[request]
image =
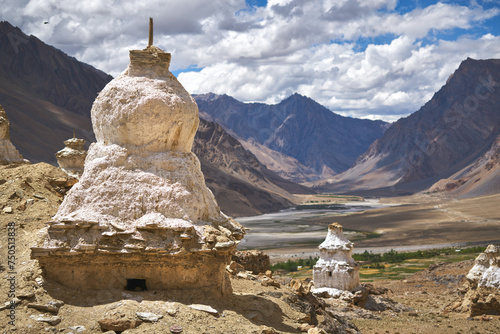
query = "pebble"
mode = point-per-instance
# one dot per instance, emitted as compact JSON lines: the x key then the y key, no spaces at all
{"x":148,"y":317}
{"x":204,"y":308}
{"x":266,"y":330}
{"x":27,"y":294}
{"x":39,"y":281}
{"x":175,"y":329}
{"x":171,"y":309}
{"x":8,"y":209}
{"x":118,"y":325}
{"x":7,"y":304}
{"x":78,"y":328}
{"x":50,"y":319}
{"x":52,"y":307}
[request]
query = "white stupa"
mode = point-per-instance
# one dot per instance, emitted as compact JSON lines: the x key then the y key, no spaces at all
{"x":71,"y":158}
{"x":335,"y":270}
{"x":141,"y":214}
{"x":486,"y":269}
{"x":8,"y":153}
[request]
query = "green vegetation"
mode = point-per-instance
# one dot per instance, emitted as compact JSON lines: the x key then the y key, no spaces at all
{"x":395,"y":257}
{"x":345,"y":197}
{"x":290,"y":266}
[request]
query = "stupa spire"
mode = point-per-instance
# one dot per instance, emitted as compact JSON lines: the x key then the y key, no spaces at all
{"x":150,"y":41}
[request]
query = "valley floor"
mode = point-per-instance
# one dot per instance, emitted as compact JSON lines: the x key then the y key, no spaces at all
{"x":415,"y":223}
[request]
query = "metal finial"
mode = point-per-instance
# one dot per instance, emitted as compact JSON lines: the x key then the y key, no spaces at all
{"x":150,"y":42}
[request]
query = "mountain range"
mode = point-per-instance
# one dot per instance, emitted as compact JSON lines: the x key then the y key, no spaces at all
{"x":454,"y":137}
{"x":297,"y":138}
{"x":253,"y":154}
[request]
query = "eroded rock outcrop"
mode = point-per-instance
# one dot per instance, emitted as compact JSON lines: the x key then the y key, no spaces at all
{"x":141,"y":215}
{"x":8,"y":153}
{"x":72,"y":158}
{"x":336,"y":269}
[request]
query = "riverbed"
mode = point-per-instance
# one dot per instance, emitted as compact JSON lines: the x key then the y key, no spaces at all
{"x":298,"y":228}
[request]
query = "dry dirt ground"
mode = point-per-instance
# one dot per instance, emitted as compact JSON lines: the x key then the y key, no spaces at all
{"x":435,"y":220}
{"x":33,"y":195}
{"x":428,"y":292}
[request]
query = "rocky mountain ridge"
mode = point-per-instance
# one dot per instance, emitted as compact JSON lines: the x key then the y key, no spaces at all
{"x":450,"y":132}
{"x":298,"y":138}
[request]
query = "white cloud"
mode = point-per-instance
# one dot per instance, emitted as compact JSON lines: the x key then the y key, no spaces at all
{"x":267,"y":53}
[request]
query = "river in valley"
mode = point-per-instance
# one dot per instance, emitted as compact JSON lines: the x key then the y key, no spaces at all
{"x":297,"y":228}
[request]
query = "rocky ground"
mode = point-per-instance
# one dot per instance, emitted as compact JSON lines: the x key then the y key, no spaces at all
{"x":430,"y":293}
{"x":31,"y":194}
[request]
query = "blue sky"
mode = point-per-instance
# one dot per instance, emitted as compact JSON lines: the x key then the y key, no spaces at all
{"x":377,"y":59}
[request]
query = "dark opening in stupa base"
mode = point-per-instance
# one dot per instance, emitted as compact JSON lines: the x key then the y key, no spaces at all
{"x":135,"y":284}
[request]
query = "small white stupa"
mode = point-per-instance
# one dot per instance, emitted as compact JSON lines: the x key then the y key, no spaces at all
{"x":141,"y":216}
{"x":8,"y":153}
{"x":486,"y":270}
{"x":336,"y":269}
{"x":72,"y":158}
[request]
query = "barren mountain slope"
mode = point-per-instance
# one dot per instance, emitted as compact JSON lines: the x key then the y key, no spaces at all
{"x":482,"y":177}
{"x":46,"y":94}
{"x":451,"y":131}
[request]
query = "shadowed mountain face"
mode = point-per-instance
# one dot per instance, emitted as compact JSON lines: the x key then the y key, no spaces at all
{"x":297,"y":138}
{"x":47,"y":95}
{"x":242,"y":185}
{"x":451,"y":131}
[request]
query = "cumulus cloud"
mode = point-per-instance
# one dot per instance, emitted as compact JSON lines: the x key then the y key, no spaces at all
{"x":366,"y":59}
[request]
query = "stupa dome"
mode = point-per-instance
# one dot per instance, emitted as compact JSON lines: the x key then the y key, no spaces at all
{"x":146,"y":108}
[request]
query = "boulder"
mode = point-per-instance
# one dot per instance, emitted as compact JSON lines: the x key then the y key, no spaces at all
{"x":118,"y":325}
{"x":253,"y":260}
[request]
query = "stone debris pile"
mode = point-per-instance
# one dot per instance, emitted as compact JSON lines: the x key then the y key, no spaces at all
{"x":253,"y":260}
{"x":141,"y":216}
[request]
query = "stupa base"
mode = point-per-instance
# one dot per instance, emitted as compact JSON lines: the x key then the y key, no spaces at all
{"x":191,"y":270}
